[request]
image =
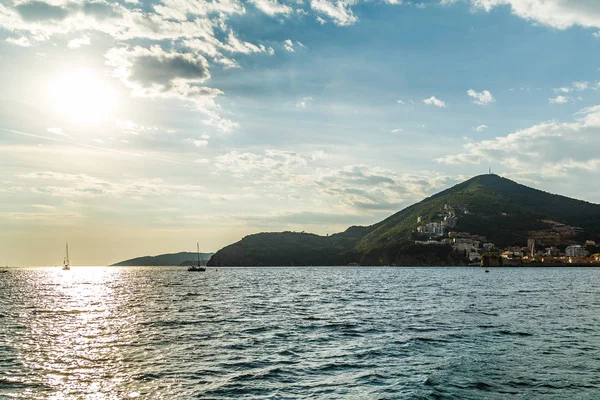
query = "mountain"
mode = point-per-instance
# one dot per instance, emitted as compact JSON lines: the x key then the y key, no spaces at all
{"x":163,"y":260}
{"x":505,"y":212}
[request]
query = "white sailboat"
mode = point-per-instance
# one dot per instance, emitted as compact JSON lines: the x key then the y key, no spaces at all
{"x":66,"y":263}
{"x":199,"y":267}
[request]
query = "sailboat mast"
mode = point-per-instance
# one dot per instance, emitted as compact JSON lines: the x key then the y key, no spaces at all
{"x":67,"y":248}
{"x":198,"y":250}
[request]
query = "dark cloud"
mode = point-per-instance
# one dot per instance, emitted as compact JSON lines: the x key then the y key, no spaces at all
{"x":358,"y":177}
{"x":100,"y":10}
{"x":41,"y":11}
{"x":150,"y":69}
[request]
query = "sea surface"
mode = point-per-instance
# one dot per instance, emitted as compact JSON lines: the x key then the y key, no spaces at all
{"x":285,"y":333}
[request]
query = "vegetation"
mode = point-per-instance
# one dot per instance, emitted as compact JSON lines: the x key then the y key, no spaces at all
{"x":502,"y":210}
{"x":163,"y":260}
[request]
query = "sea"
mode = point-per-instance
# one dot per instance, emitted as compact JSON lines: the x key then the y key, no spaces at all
{"x":300,"y":333}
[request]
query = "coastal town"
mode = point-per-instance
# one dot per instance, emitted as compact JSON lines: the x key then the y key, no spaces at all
{"x":441,"y":230}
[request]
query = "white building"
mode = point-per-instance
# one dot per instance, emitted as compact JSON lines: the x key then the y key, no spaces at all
{"x":576,"y":250}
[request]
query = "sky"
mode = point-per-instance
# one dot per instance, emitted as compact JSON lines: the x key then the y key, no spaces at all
{"x":137,"y":127}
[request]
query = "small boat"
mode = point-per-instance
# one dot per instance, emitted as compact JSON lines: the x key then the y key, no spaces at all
{"x":66,"y":264}
{"x":199,"y":267}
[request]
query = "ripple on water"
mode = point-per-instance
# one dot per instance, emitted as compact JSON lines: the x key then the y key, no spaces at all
{"x":385,"y":333}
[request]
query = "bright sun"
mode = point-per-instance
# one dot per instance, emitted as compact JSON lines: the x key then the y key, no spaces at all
{"x":81,"y":97}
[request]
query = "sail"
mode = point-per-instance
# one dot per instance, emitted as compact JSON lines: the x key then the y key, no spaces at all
{"x":67,"y":263}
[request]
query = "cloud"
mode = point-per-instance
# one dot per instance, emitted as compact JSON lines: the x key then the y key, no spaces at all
{"x":235,"y":45}
{"x":56,"y":131}
{"x":559,"y":100}
{"x":288,"y":46}
{"x":545,"y":149}
{"x":304,"y":102}
{"x":353,"y":188}
{"x":432,"y":101}
{"x":82,"y":41}
{"x":575,"y":87}
{"x":156,"y":73}
{"x":200,"y":143}
{"x":61,"y":218}
{"x":271,"y":7}
{"x":397,"y":130}
{"x":339,"y":12}
{"x":364,"y":187}
{"x":70,"y":186}
{"x":132,"y":128}
{"x":34,"y":11}
{"x":481,"y":98}
{"x":562,"y":90}
{"x":400,"y":102}
{"x":559,"y":14}
{"x":480,"y":128}
{"x":21,"y":41}
{"x":156,"y":68}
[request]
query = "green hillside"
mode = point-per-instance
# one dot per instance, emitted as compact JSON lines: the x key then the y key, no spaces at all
{"x":162,"y":260}
{"x":505,"y":212}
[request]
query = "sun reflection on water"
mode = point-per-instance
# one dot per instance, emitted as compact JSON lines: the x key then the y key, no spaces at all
{"x":75,"y":338}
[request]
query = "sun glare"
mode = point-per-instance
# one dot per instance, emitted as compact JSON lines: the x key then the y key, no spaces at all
{"x":81,"y":97}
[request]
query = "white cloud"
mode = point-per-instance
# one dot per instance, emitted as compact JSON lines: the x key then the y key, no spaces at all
{"x":433,"y":101}
{"x":581,"y":85}
{"x":596,"y":34}
{"x":21,"y":41}
{"x":559,"y":100}
{"x":480,"y":128}
{"x":545,"y":149}
{"x":482,"y":98}
{"x":397,"y":130}
{"x":339,"y":12}
{"x":56,"y":131}
{"x":305,"y":102}
{"x":288,"y":45}
{"x":271,"y":7}
{"x":562,"y":90}
{"x":132,"y":128}
{"x":236,"y":45}
{"x":200,"y":143}
{"x":354,"y":188}
{"x":81,"y":41}
{"x":400,"y":102}
{"x":559,"y":14}
{"x":576,"y":87}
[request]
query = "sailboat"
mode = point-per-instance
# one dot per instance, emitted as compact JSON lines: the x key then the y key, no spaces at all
{"x":66,"y":264}
{"x":199,"y":267}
